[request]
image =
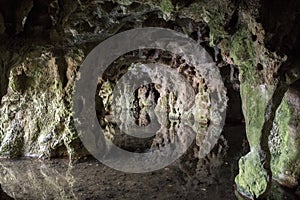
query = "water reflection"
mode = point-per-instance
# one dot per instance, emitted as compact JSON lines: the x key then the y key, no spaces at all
{"x":188,"y":178}
{"x":33,"y":179}
{"x":29,"y":179}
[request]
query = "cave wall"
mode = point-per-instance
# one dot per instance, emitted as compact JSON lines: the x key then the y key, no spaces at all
{"x":44,"y":42}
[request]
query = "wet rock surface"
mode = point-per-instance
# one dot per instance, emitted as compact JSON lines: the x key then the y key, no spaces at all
{"x":35,"y":111}
{"x":92,"y":180}
{"x":187,"y":178}
{"x":284,"y":140}
{"x":39,"y":71}
{"x":169,"y":112}
{"x":44,"y":42}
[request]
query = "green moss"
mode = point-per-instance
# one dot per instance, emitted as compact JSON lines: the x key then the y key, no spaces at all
{"x":285,"y":163}
{"x":243,"y":54}
{"x":166,"y":6}
{"x":254,"y":102}
{"x":216,"y":23}
{"x":217,"y":14}
{"x":252,"y":179}
{"x":241,"y":47}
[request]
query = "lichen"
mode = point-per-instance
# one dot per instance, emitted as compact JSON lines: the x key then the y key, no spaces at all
{"x":284,"y":143}
{"x":166,"y":6}
{"x":243,"y":54}
{"x":167,"y":9}
{"x":252,"y":179}
{"x":257,"y":69}
{"x":35,"y":112}
{"x":254,"y":113}
{"x":217,"y":14}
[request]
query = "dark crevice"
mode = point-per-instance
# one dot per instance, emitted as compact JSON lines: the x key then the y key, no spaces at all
{"x":38,"y":22}
{"x":231,"y":27}
{"x":4,"y":81}
{"x":259,"y":67}
{"x":3,"y":195}
{"x":296,"y":85}
{"x":234,"y":113}
{"x":181,"y":3}
{"x":282,"y":29}
{"x":62,"y":66}
{"x":254,"y":38}
{"x":21,"y":82}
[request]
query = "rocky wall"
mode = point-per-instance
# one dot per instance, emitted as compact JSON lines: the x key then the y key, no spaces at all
{"x":44,"y":42}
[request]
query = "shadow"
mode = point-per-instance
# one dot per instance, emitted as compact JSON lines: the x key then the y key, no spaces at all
{"x":3,"y":195}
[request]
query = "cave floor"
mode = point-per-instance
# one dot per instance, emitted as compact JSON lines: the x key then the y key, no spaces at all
{"x":92,"y":180}
{"x":89,"y":179}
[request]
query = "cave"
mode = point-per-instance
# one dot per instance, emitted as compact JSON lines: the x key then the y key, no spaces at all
{"x":140,"y":99}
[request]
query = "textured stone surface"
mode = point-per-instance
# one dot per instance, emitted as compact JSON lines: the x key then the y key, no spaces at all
{"x":37,"y":180}
{"x":177,"y":88}
{"x":285,"y":140}
{"x":264,"y":46}
{"x":253,"y":179}
{"x":262,"y":89}
{"x":35,"y":112}
{"x":29,"y":179}
{"x":37,"y":83}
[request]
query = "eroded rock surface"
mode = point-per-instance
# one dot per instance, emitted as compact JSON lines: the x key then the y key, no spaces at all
{"x":37,"y":82}
{"x":36,"y":111}
{"x":284,"y":140}
{"x":44,"y":42}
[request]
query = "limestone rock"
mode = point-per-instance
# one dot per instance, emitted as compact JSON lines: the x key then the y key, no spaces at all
{"x":37,"y":180}
{"x":36,"y":87}
{"x":35,"y":112}
{"x":284,"y":140}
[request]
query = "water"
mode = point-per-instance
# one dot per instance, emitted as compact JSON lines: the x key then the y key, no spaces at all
{"x":212,"y":178}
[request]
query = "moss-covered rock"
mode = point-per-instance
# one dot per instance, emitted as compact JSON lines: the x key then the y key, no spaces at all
{"x":217,"y":14}
{"x":258,"y":85}
{"x":252,"y":179}
{"x":285,"y":140}
{"x":167,"y":6}
{"x":255,"y":113}
{"x":260,"y":95}
{"x":36,"y":88}
{"x":35,"y":112}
